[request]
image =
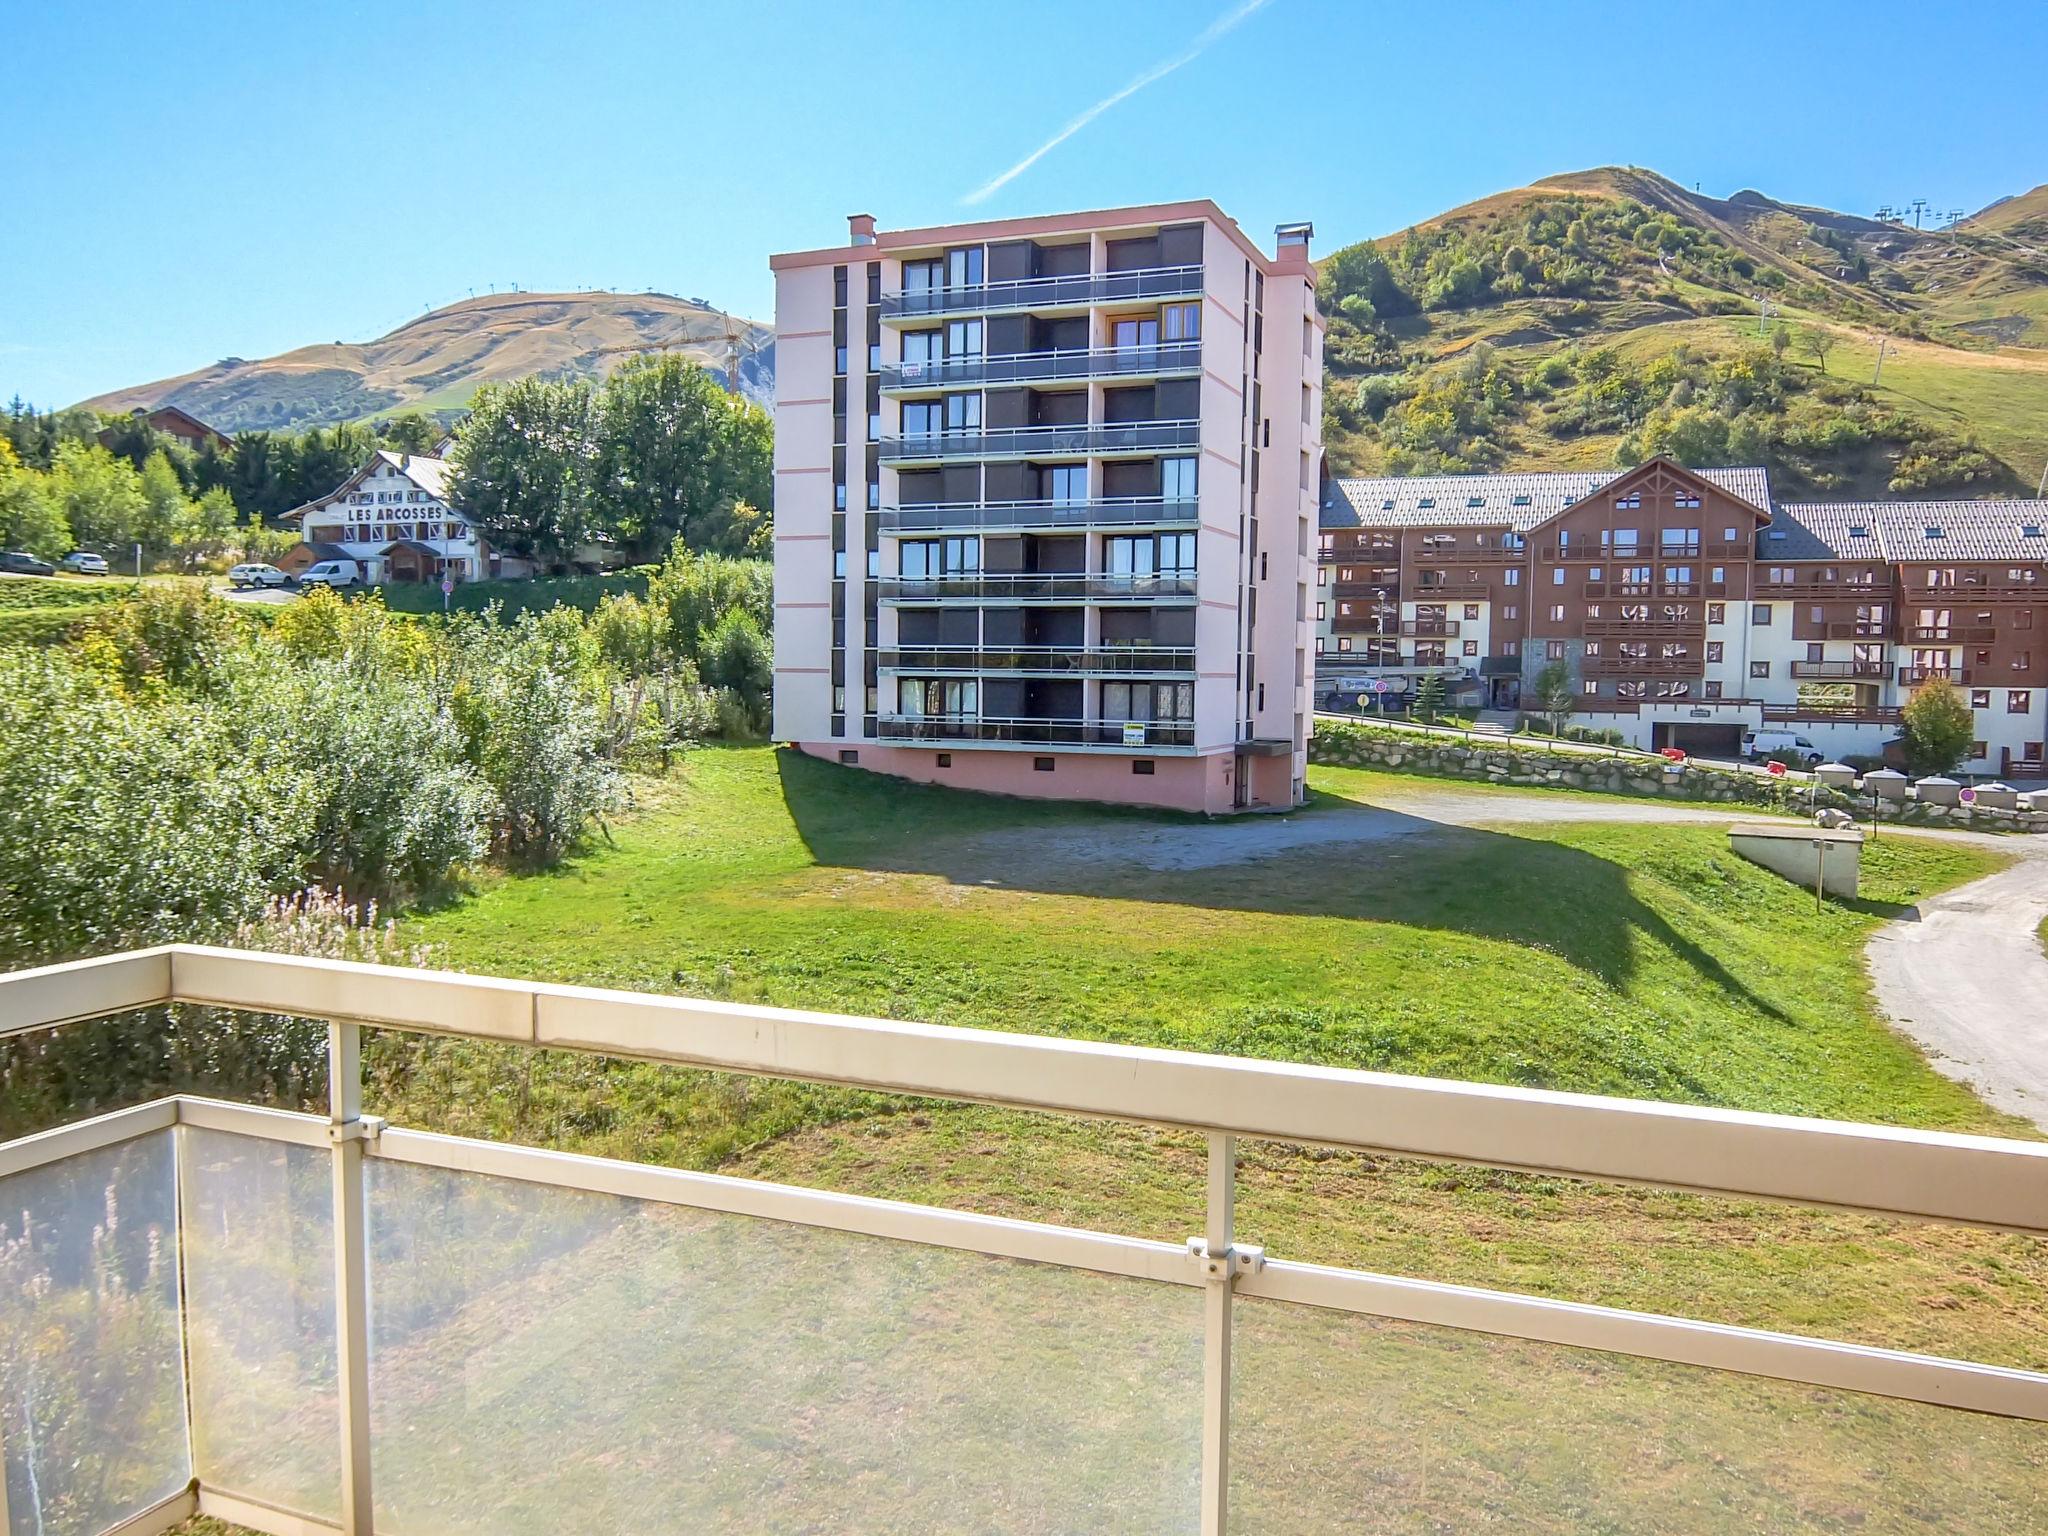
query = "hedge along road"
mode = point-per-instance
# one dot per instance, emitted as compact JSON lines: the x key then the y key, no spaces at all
{"x":1963,"y":974}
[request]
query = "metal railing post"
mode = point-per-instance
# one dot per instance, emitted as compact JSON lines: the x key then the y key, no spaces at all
{"x":347,"y":1130}
{"x":1222,"y":1262}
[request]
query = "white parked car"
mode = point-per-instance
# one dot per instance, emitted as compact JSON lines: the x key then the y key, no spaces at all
{"x":335,"y":574}
{"x":1758,"y":745}
{"x":257,"y":574}
{"x":79,"y":563}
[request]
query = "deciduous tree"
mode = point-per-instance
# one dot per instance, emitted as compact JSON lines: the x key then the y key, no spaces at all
{"x":1938,"y":727}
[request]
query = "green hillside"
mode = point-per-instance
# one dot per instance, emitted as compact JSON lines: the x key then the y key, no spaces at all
{"x":1591,"y":319}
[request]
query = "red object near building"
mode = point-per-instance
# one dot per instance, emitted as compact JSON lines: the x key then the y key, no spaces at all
{"x":1775,"y":768}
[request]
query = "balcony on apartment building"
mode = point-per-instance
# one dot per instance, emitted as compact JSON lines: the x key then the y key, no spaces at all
{"x":1072,"y":440}
{"x":1841,"y":671}
{"x":1641,"y":666}
{"x":1038,"y":731}
{"x":1618,"y":554}
{"x":1639,"y":591}
{"x":1000,"y":587}
{"x":1827,"y":713}
{"x":1913,"y":677}
{"x":1077,"y":364}
{"x":1441,"y":549}
{"x":1048,"y":294}
{"x":1038,"y":513}
{"x":1975,"y":585}
{"x":1951,"y":634}
{"x":314,"y":1323}
{"x":1040,"y":660}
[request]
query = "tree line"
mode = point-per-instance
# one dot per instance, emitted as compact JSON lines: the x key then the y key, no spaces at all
{"x":656,"y":453}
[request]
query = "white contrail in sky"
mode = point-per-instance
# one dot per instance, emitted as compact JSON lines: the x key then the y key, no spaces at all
{"x":1208,"y":36}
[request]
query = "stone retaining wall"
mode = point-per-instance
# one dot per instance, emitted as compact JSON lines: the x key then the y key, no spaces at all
{"x":1365,"y":746}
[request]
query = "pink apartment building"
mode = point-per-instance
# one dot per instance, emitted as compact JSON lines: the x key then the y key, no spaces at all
{"x":1045,"y":505}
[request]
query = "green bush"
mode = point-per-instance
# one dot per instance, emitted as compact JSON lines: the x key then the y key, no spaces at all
{"x":42,"y":626}
{"x":513,"y":598}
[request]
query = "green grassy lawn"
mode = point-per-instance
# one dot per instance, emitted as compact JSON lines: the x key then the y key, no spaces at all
{"x":1633,"y":959}
{"x":1638,"y":960}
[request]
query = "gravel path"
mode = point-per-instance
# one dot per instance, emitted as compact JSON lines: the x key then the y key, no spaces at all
{"x":1965,"y":976}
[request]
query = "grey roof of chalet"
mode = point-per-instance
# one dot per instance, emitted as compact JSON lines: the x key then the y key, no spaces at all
{"x":1519,"y":502}
{"x":1897,"y":531}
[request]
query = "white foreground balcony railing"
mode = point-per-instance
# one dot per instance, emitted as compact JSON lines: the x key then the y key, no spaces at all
{"x":306,"y":1324}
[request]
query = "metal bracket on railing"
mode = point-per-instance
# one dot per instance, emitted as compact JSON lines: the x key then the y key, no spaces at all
{"x":1239,"y":1259}
{"x":363,"y":1128}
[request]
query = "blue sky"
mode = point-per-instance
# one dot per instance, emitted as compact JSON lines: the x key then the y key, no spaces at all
{"x":186,"y":182}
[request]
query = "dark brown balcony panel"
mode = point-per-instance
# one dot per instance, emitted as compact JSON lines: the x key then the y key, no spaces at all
{"x":1913,"y":677}
{"x":1841,"y":671}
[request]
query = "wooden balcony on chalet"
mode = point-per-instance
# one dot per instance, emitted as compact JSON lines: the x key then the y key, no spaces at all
{"x":1591,"y":554}
{"x":1913,"y":677}
{"x":1644,"y":591}
{"x":1952,"y":634}
{"x":1643,"y":666}
{"x":1489,"y":552}
{"x":1841,"y":671}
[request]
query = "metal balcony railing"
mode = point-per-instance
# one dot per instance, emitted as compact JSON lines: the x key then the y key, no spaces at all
{"x":1036,"y":731}
{"x":1040,"y":660}
{"x":1072,"y":292}
{"x":1868,"y":671}
{"x":1036,"y":587}
{"x":1042,"y":442}
{"x":289,"y":1321}
{"x":1078,"y":364}
{"x":1101,"y":512}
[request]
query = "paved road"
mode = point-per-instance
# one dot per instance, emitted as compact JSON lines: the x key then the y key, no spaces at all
{"x":1967,"y":979}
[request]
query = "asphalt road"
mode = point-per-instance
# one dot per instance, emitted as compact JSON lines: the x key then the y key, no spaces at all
{"x":1966,"y":977}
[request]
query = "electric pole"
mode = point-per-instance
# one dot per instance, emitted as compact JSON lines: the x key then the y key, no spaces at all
{"x":1883,"y":345}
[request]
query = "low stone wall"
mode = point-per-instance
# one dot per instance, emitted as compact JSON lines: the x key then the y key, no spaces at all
{"x":1366,"y":746}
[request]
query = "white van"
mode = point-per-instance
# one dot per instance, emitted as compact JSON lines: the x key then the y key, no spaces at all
{"x":1758,"y":745}
{"x":333,"y":573}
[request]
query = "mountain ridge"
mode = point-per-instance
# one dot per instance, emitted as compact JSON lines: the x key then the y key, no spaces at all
{"x":436,"y":361}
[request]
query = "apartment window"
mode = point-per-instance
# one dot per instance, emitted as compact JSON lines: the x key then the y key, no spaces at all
{"x":933,"y":698}
{"x":1978,"y":751}
{"x":1712,"y":690}
{"x":1557,"y":576}
{"x":1041,"y":765}
{"x":1343,"y":642}
{"x":1065,"y":484}
{"x":1142,"y":766}
{"x":963,"y":267}
{"x":1592,"y":647}
{"x":963,"y":413}
{"x":1146,"y":553}
{"x":874,"y":564}
{"x":921,"y":347}
{"x":1713,"y":650}
{"x":1511,"y":647}
{"x":1717,"y":613}
{"x":963,"y":338}
{"x":1759,"y":669}
{"x":1557,"y":613}
{"x":874,"y":357}
{"x":1471,"y":647}
{"x":839,"y":565}
{"x":1471,"y":610}
{"x":2020,"y":662}
{"x":1589,"y":688}
{"x":874,"y":496}
{"x":1322,"y":575}
{"x":1760,"y":614}
{"x":1980,"y":698}
{"x":1177,"y":479}
{"x":1815,"y":651}
{"x":1511,"y":578}
{"x":874,"y":426}
{"x":838,"y":701}
{"x":2018,"y":701}
{"x":1510,"y":611}
{"x":920,"y":277}
{"x":922,"y":418}
{"x":839,"y":496}
{"x":1148,"y":701}
{"x":927,"y":559}
{"x":1319,"y":645}
{"x":839,"y":360}
{"x":1321,"y":611}
{"x":1180,"y":322}
{"x":1553,"y":650}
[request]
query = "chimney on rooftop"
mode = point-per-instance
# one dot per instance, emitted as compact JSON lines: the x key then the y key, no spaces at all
{"x":1285,"y":235}
{"x":860,"y":229}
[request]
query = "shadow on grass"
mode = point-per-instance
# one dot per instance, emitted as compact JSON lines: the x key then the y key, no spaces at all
{"x":1342,"y":859}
